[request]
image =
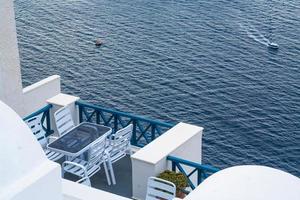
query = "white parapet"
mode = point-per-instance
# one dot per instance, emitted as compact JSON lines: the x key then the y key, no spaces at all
{"x":35,"y":95}
{"x":63,"y":100}
{"x":75,"y":191}
{"x":183,"y":140}
{"x":43,"y":182}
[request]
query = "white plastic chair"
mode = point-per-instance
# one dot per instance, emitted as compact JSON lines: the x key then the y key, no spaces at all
{"x":119,"y":143}
{"x":87,"y":168}
{"x":159,"y":189}
{"x":63,"y":120}
{"x":35,"y":125}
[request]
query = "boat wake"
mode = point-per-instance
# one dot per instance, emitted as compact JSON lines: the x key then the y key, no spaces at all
{"x":255,"y":34}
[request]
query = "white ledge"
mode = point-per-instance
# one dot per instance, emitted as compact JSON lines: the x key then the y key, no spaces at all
{"x":40,"y":83}
{"x":62,"y":99}
{"x":170,"y":141}
{"x":75,"y":191}
{"x":35,"y":95}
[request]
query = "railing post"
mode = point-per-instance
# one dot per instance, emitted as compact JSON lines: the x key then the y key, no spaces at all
{"x":115,"y":122}
{"x":80,"y":113}
{"x":48,"y":123}
{"x":133,"y":138}
{"x":199,"y":177}
{"x":152,"y":132}
{"x":97,"y":117}
{"x":173,"y":166}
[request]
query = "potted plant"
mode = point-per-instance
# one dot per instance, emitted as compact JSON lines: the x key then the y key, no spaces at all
{"x":178,"y":179}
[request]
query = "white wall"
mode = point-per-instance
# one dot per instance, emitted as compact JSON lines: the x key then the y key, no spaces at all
{"x":10,"y":73}
{"x":63,"y":100}
{"x":183,"y":140}
{"x":248,"y":182}
{"x":25,"y":171}
{"x":35,"y":95}
{"x":75,"y":191}
{"x":43,"y":182}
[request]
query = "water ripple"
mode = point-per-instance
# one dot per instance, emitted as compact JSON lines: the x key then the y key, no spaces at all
{"x":202,"y":62}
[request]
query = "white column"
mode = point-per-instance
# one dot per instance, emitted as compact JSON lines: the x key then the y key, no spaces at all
{"x":63,"y":100}
{"x":183,"y":140}
{"x":10,"y":72}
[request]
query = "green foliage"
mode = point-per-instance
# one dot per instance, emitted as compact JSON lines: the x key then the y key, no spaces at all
{"x":178,"y":179}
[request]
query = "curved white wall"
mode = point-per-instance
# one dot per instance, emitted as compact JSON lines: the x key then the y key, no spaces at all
{"x":248,"y":183}
{"x":20,"y":151}
{"x":25,"y":172}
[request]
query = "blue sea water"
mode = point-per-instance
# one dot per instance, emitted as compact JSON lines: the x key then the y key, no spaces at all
{"x":201,"y":62}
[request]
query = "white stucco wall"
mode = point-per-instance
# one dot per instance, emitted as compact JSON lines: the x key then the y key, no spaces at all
{"x":183,"y":140}
{"x":63,"y":100}
{"x":42,"y":182}
{"x":35,"y":95}
{"x":75,"y":191}
{"x":248,"y":182}
{"x":25,"y":171}
{"x":10,"y":72}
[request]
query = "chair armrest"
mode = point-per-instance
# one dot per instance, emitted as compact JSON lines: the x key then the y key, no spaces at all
{"x":84,"y":181}
{"x":75,"y":164}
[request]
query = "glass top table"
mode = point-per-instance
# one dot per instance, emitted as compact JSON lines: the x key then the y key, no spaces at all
{"x":78,"y":140}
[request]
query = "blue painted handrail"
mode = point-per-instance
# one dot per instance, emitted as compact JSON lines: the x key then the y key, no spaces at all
{"x":144,"y":130}
{"x":45,"y":112}
{"x":203,"y":171}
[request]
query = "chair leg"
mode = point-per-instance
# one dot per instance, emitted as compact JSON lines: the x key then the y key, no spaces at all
{"x":88,"y":182}
{"x":106,"y":173}
{"x":111,"y":172}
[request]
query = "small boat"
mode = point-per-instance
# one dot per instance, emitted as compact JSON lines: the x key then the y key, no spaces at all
{"x":273,"y":45}
{"x":98,"y":42}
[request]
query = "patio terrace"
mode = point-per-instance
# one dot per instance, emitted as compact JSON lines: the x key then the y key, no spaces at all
{"x":123,"y":173}
{"x":133,"y":171}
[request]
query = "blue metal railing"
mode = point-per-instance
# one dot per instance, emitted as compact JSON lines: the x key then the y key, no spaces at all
{"x":45,"y":120}
{"x":144,"y":130}
{"x":203,"y":171}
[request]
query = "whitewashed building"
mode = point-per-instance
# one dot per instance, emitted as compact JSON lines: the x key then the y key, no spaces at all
{"x":27,"y":174}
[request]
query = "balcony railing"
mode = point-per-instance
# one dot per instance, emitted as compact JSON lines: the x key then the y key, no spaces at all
{"x":45,"y":120}
{"x":203,"y":171}
{"x":144,"y":130}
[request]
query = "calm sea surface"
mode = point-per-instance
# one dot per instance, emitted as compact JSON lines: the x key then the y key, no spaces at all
{"x":201,"y":62}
